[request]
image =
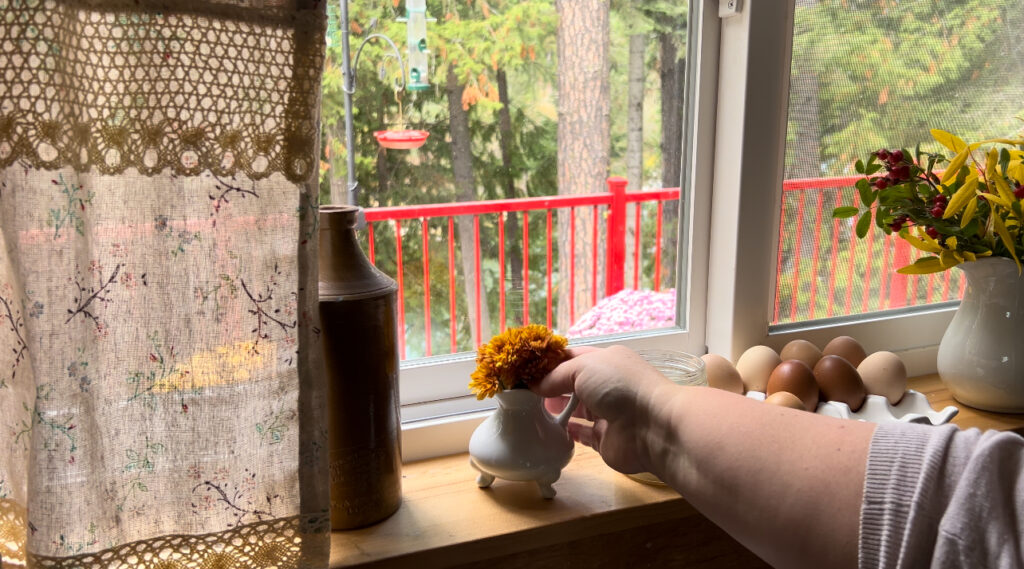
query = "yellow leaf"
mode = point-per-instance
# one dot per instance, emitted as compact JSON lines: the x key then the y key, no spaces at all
{"x":972,"y":206}
{"x":1004,"y":189}
{"x":951,"y":242}
{"x":923,"y":267}
{"x":949,"y":140}
{"x":928,"y":245}
{"x":970,"y":256}
{"x":955,"y":165}
{"x":962,"y":196}
{"x":991,"y":162}
{"x":996,"y":200}
{"x":1001,"y":141}
{"x":948,"y":259}
{"x":1004,"y":236}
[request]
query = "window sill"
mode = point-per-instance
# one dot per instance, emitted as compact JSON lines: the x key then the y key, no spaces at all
{"x":446,"y":521}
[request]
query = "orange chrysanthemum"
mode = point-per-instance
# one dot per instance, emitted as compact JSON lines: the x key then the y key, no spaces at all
{"x":516,"y":357}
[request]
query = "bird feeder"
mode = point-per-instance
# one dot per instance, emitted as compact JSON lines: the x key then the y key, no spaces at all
{"x":401,"y":139}
{"x":416,"y":40}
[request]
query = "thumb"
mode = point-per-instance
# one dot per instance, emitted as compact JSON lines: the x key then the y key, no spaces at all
{"x":562,"y":379}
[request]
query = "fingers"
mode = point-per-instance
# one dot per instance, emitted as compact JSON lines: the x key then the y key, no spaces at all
{"x":590,"y":435}
{"x":580,"y":350}
{"x":562,"y":379}
{"x":556,"y":404}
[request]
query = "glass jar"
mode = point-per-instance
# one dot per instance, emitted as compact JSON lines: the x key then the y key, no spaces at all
{"x":683,"y":369}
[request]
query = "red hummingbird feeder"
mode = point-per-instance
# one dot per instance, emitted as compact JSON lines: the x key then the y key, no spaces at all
{"x":401,"y":139}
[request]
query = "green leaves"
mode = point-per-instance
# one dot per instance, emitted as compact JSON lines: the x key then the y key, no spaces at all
{"x":863,"y":224}
{"x":844,"y":212}
{"x":867,"y":195}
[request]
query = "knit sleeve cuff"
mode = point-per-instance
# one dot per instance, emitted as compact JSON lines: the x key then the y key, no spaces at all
{"x":898,"y":470}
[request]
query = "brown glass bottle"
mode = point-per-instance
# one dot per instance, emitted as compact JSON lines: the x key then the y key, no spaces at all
{"x":360,"y":344}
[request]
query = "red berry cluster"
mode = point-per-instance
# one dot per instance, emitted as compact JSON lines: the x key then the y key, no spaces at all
{"x":897,"y":169}
{"x":1018,"y":191}
{"x":897,"y":223}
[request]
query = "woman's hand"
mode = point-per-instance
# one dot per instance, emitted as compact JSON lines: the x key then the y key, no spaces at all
{"x":617,"y":392}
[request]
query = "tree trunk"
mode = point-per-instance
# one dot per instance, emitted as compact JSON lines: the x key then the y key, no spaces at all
{"x":803,"y":160}
{"x":673,"y":73}
{"x":462,"y":165}
{"x":583,"y":137}
{"x":635,"y":134}
{"x":805,"y":155}
{"x":337,"y":176}
{"x":513,"y":250}
{"x":635,"y":112}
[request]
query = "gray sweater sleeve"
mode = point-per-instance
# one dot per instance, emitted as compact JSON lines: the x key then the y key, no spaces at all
{"x":942,"y":497}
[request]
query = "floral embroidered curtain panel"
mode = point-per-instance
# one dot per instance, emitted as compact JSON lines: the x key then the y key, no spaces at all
{"x":159,"y":374}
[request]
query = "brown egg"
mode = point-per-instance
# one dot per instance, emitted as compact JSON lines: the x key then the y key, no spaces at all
{"x":795,"y":377}
{"x":847,"y":348}
{"x":884,"y":374}
{"x":839,"y":381}
{"x":722,"y":374}
{"x":785,"y":399}
{"x":755,"y":365}
{"x":801,"y":350}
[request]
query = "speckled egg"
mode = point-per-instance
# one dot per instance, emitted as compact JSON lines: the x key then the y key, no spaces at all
{"x":884,"y":374}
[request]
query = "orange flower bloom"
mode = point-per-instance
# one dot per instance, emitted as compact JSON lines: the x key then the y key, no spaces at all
{"x":516,"y":357}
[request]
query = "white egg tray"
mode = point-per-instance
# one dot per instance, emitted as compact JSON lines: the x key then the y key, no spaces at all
{"x":913,"y":407}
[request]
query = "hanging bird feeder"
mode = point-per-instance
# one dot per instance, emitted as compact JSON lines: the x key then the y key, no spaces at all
{"x":415,"y":77}
{"x":401,"y":139}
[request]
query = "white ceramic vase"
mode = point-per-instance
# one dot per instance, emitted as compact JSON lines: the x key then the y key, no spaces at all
{"x":521,"y":441}
{"x":981,"y":356}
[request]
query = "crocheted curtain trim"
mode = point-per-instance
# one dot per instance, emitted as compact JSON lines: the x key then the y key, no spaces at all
{"x":180,"y":86}
{"x":286,"y":543}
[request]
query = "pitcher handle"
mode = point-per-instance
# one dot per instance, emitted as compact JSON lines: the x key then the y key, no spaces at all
{"x":563,"y":417}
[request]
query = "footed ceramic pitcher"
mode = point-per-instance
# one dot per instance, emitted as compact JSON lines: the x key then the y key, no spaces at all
{"x":521,"y":441}
{"x":981,"y":356}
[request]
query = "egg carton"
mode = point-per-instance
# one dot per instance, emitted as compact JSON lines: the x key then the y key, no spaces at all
{"x":913,"y":407}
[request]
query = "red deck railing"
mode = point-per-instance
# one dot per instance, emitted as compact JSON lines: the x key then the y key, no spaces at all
{"x":823,"y":270}
{"x":613,"y":252}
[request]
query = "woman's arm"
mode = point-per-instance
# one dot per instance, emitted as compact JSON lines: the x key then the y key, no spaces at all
{"x":787,"y":484}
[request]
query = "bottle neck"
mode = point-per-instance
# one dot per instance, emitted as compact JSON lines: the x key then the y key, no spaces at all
{"x":344,"y":269}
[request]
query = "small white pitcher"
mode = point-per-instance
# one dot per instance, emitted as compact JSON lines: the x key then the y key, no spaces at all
{"x":521,"y":441}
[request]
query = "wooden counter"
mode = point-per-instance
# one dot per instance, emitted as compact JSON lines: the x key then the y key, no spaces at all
{"x":600,"y":518}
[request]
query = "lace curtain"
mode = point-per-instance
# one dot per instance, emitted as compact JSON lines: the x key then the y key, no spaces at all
{"x":159,"y":371}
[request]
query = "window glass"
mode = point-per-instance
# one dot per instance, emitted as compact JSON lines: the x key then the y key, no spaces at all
{"x":509,"y":211}
{"x":879,"y":74}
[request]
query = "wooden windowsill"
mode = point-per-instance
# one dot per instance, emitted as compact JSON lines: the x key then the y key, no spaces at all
{"x":445,"y":520}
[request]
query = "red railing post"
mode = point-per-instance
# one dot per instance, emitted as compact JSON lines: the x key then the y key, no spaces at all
{"x":898,"y":282}
{"x":616,"y":254}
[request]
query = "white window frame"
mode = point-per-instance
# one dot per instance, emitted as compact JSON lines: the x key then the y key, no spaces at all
{"x":753,"y":83}
{"x":439,"y":414}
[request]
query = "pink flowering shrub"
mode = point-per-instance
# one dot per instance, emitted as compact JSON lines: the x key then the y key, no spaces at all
{"x":627,"y":311}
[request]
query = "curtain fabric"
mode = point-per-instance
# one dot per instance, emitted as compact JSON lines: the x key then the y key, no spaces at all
{"x":160,"y":385}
